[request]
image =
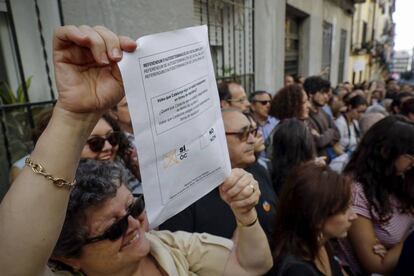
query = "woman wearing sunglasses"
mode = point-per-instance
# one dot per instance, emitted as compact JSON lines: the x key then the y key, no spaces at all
{"x":103,"y":143}
{"x":108,"y":142}
{"x":383,"y":198}
{"x":108,"y":223}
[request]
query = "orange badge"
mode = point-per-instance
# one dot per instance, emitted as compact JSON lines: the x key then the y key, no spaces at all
{"x":266,"y":206}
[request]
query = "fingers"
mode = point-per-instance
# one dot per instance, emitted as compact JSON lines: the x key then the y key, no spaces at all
{"x":97,"y":44}
{"x":246,"y":204}
{"x":242,"y":186}
{"x":320,"y":161}
{"x":68,"y":35}
{"x":242,"y":190}
{"x":105,"y":46}
{"x":127,"y":44}
{"x":111,"y":43}
{"x":380,"y":250}
{"x":230,"y":181}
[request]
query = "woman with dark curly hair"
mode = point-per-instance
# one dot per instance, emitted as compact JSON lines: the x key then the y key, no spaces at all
{"x":126,"y":150}
{"x":383,"y":197}
{"x":314,"y":207}
{"x":108,"y":142}
{"x":290,"y":101}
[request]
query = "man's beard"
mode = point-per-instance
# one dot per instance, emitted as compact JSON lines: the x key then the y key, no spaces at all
{"x":317,"y":104}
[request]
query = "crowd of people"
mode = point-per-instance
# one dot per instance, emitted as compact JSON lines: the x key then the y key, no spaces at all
{"x":322,"y":180}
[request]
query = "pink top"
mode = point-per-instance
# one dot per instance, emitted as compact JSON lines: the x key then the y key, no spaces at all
{"x":388,"y":234}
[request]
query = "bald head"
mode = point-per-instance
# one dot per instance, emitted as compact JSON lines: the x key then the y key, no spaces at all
{"x":233,"y":117}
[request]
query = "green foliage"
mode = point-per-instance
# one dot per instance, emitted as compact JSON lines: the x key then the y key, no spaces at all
{"x":227,"y":71}
{"x":15,"y":120}
{"x":7,"y":96}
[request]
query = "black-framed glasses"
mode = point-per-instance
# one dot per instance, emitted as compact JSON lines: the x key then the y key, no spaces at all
{"x":241,"y":100}
{"x":243,"y":135}
{"x":262,"y":102}
{"x":118,"y":229}
{"x":97,"y":143}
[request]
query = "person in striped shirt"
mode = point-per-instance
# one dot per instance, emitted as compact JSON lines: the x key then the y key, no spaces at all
{"x":383,"y":197}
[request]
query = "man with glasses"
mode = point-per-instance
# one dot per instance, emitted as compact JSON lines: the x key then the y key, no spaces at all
{"x":260,"y":106}
{"x":209,"y":214}
{"x":233,"y":95}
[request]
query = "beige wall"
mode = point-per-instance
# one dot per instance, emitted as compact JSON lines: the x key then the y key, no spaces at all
{"x":365,"y":12}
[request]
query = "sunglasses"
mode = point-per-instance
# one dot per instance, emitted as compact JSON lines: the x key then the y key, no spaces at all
{"x":118,"y":229}
{"x":264,"y":102}
{"x":97,"y":143}
{"x":244,"y":134}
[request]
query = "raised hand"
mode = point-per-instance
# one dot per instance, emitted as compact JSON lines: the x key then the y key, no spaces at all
{"x":241,"y":192}
{"x":85,"y":60}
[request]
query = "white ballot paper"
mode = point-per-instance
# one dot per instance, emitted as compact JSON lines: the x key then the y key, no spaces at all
{"x":175,"y":109}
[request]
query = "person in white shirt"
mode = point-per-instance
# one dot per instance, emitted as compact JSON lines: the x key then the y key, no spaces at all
{"x":347,"y":123}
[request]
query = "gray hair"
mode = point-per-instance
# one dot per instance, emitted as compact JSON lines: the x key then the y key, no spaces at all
{"x":367,"y":120}
{"x":96,"y":182}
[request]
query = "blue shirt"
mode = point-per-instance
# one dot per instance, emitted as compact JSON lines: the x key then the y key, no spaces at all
{"x":268,"y":126}
{"x":266,"y":130}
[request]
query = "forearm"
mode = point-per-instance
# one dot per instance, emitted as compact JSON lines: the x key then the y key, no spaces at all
{"x":33,"y":210}
{"x":252,"y":249}
{"x":390,"y":260}
{"x":382,"y":263}
{"x":325,"y":139}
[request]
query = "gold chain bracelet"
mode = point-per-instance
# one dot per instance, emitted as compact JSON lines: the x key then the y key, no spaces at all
{"x":38,"y":169}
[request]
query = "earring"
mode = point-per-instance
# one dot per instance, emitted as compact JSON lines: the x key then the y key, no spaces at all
{"x":320,"y":237}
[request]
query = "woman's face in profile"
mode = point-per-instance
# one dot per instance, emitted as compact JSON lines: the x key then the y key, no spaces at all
{"x":337,"y":226}
{"x":404,"y":163}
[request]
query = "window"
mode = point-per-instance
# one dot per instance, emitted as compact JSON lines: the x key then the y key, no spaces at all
{"x":8,"y":64}
{"x":21,"y":53}
{"x":326,"y":49}
{"x":231,"y":36}
{"x":342,"y":52}
{"x":292,"y":45}
{"x":364,"y":32}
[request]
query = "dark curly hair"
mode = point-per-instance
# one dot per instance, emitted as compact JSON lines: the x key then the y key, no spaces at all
{"x":315,"y":84}
{"x":373,"y":165}
{"x":124,"y":146}
{"x":311,"y":195}
{"x":292,"y":144}
{"x":96,"y":182}
{"x":287,"y":103}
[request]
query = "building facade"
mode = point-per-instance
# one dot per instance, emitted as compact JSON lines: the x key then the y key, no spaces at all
{"x":401,"y":62}
{"x":255,"y":42}
{"x":372,"y":40}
